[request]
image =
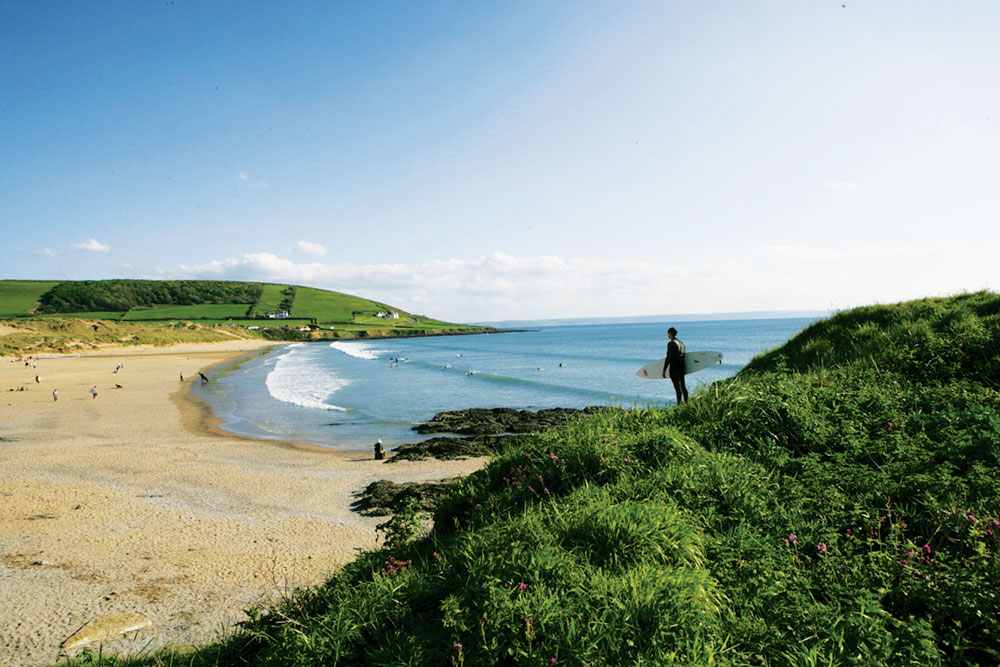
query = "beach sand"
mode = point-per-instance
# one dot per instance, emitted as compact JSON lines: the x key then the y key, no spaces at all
{"x":131,"y":502}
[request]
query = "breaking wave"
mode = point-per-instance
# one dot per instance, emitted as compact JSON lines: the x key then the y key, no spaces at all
{"x":359,"y":350}
{"x":298,"y":380}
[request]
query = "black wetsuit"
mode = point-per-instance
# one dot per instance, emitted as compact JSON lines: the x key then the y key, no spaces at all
{"x":674,"y":366}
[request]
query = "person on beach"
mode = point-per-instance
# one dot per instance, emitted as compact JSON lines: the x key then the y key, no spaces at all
{"x":55,"y":394}
{"x":674,"y":365}
{"x":93,"y":391}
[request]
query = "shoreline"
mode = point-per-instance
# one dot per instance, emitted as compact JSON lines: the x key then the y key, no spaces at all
{"x":132,"y":502}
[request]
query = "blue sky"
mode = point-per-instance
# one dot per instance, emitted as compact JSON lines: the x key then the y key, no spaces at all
{"x":485,"y":161}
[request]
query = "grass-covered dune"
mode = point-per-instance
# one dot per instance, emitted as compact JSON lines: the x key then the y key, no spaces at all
{"x":835,"y":503}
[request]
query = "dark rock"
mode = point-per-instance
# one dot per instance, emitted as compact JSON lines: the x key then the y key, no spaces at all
{"x":383,"y":497}
{"x":480,"y":421}
{"x":446,"y":449}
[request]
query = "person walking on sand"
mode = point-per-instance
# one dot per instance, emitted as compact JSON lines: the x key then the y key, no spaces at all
{"x":674,"y":365}
{"x":93,"y":391}
{"x":55,"y":394}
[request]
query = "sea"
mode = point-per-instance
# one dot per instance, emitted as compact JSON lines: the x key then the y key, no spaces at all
{"x":347,"y":394}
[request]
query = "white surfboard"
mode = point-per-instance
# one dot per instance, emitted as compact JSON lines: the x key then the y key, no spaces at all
{"x":693,"y":362}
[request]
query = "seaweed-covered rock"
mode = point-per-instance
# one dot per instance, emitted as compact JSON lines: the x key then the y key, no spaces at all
{"x":446,"y":449}
{"x":481,"y":421}
{"x":382,"y":498}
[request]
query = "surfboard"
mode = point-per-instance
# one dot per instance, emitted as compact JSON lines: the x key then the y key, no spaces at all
{"x":693,"y":362}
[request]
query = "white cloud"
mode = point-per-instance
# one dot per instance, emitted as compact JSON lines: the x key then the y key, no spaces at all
{"x":246,"y":183}
{"x":92,"y":245}
{"x":842,"y":186}
{"x":45,"y":252}
{"x":307,"y":248}
{"x":501,"y":286}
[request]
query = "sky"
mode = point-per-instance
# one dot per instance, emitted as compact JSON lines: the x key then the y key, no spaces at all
{"x":482,"y":161}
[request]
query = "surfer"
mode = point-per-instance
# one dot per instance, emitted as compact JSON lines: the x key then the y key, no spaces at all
{"x":674,"y":365}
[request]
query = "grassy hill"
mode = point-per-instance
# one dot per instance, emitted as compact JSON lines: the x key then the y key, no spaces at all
{"x":243,"y":307}
{"x":835,"y":503}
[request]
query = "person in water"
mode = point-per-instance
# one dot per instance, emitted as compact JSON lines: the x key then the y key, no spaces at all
{"x":674,"y":365}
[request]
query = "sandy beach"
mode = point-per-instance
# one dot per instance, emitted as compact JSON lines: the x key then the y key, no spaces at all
{"x":131,"y":502}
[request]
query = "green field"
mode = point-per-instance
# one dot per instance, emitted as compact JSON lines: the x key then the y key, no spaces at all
{"x":203,"y":312}
{"x":205,"y":303}
{"x":96,"y":315}
{"x":270,"y":298}
{"x":19,"y":297}
{"x":332,"y":307}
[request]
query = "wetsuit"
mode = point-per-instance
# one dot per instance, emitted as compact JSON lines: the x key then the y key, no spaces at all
{"x":674,"y":366}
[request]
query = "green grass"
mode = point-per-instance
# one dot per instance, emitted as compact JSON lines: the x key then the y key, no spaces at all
{"x":19,"y":297}
{"x":202,"y":312}
{"x":836,"y":503}
{"x":271,"y":298}
{"x":96,"y":315}
{"x":332,"y":307}
{"x":214,"y":302}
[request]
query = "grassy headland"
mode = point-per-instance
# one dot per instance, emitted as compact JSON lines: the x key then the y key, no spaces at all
{"x":62,"y":316}
{"x":834,"y":503}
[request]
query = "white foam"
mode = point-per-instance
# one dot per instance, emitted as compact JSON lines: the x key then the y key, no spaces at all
{"x":296,"y":379}
{"x":359,"y":350}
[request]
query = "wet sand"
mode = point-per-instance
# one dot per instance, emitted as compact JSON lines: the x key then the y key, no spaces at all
{"x":134,"y":502}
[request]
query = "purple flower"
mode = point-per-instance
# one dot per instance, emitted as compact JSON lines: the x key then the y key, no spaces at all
{"x":792,"y":538}
{"x":927,"y":548}
{"x":524,"y":587}
{"x":821,"y":548}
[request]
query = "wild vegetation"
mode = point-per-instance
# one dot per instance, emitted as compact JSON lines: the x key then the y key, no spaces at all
{"x":121,"y":295}
{"x":834,"y":503}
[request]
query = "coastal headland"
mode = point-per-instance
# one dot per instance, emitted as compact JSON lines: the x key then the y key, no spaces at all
{"x":129,"y":502}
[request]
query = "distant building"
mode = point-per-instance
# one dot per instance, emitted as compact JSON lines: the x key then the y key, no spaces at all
{"x":279,"y":315}
{"x":391,"y":315}
{"x":303,"y":327}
